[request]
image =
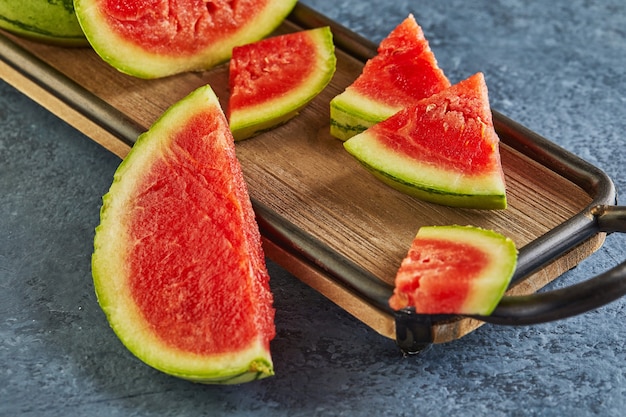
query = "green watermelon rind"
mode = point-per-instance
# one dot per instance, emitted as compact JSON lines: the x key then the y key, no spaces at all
{"x":109,"y":279}
{"x":130,"y":58}
{"x":352,"y":113}
{"x":251,"y":121}
{"x":489,"y":288}
{"x":43,"y":21}
{"x":426,"y":182}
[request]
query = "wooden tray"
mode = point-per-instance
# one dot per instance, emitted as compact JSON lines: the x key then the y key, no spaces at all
{"x":322,"y":217}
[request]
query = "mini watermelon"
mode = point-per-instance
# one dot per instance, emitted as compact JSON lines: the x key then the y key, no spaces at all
{"x":404,"y":70}
{"x":49,"y":21}
{"x":272,"y":79}
{"x":178,"y":265}
{"x":156,"y":38}
{"x":442,"y":149}
{"x":454,"y":270}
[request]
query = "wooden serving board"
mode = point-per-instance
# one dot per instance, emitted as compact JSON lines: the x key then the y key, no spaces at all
{"x":302,"y":175}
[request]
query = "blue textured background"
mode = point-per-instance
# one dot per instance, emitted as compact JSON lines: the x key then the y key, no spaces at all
{"x":556,"y":67}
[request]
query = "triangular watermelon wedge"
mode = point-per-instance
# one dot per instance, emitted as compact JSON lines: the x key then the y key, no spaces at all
{"x":403,"y":71}
{"x":454,"y":270}
{"x":443,"y":149}
{"x":178,"y":265}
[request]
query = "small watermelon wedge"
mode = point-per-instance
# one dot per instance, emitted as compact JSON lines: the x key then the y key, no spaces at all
{"x":454,"y":270}
{"x":157,"y":38}
{"x":272,"y":79}
{"x":442,"y":149}
{"x":178,"y":266}
{"x":403,"y":71}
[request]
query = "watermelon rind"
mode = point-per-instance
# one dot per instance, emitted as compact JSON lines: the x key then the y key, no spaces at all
{"x":488,"y":288}
{"x":250,"y":121}
{"x":351,"y":113}
{"x":109,"y":268}
{"x":47,"y":21}
{"x":133,"y":59}
{"x":424,"y":181}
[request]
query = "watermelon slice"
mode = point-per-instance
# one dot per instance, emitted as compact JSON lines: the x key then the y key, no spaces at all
{"x":49,"y":21}
{"x":442,"y":149}
{"x":454,"y":270}
{"x":404,"y":70}
{"x":156,"y":38}
{"x":272,"y":79}
{"x":178,"y":265}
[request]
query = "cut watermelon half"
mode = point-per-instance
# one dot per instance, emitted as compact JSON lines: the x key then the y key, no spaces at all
{"x":178,"y":265}
{"x":404,"y":70}
{"x":272,"y":79}
{"x":442,"y":149}
{"x":454,"y":270}
{"x":156,"y":38}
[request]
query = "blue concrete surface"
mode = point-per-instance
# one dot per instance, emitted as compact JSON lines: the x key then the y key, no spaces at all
{"x":557,"y":67}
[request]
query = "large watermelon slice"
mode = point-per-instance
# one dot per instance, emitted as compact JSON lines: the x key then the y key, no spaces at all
{"x":454,"y":270}
{"x":443,"y":149}
{"x":50,"y":21}
{"x":404,"y":71}
{"x":272,"y":79}
{"x":156,"y":38}
{"x":178,"y":265}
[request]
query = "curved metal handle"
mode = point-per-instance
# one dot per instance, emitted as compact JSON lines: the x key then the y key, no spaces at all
{"x":573,"y":300}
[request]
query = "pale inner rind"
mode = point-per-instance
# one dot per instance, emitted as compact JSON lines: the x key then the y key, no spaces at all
{"x":361,"y":107}
{"x":369,"y":150}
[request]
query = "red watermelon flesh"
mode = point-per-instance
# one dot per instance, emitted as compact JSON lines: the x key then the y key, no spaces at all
{"x":196,"y":241}
{"x":182,"y":28}
{"x":442,"y":149}
{"x":178,"y":265}
{"x":454,"y":270}
{"x":265,"y":70}
{"x":403,"y":71}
